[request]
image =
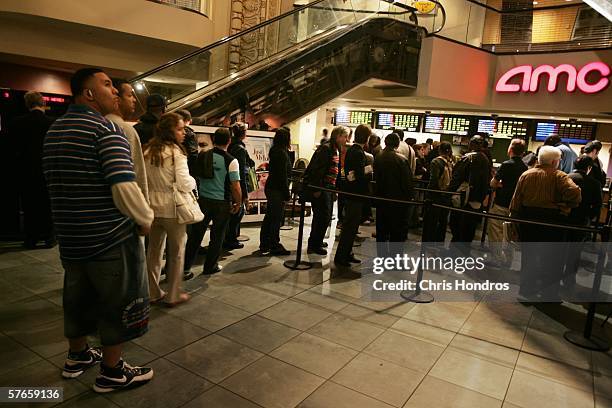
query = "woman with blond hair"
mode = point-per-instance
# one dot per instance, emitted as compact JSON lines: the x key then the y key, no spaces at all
{"x":166,"y":163}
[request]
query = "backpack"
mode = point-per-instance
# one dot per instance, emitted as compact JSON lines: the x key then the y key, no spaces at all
{"x":458,"y":200}
{"x":447,"y":174}
{"x":204,"y":165}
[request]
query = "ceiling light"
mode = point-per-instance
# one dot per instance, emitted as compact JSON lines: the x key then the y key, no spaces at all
{"x":139,"y":86}
{"x":535,"y":3}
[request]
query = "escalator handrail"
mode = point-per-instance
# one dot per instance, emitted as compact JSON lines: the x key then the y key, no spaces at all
{"x":225,"y":40}
{"x":441,"y":7}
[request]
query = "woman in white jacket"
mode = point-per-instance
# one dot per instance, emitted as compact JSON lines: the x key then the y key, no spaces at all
{"x":167,"y":165}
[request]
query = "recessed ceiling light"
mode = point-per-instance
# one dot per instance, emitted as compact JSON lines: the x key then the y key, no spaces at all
{"x":594,"y":120}
{"x":535,"y":3}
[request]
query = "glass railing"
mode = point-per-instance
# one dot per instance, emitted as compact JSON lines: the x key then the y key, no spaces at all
{"x":234,"y":57}
{"x":199,"y":6}
{"x":548,"y":26}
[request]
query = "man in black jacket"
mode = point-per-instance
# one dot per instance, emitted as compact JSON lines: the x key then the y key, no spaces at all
{"x":393,"y":177}
{"x":156,"y":106}
{"x":29,"y":131}
{"x":277,"y":193}
{"x":588,"y":210}
{"x":592,"y":150}
{"x":238,"y":149}
{"x":357,"y":183}
{"x":190,"y":143}
{"x":474,"y":168}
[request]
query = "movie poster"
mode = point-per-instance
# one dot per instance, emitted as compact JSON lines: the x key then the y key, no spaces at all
{"x":259,"y":148}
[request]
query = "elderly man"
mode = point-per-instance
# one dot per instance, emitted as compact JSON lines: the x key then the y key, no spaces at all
{"x":546,"y":194}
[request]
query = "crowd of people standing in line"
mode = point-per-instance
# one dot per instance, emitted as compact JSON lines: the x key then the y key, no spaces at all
{"x":109,"y":184}
{"x":559,"y":187}
{"x":110,"y":189}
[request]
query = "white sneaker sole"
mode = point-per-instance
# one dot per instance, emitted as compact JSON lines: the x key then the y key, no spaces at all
{"x":70,"y":375}
{"x":141,"y":378}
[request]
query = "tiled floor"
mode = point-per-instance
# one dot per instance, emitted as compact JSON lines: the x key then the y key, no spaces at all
{"x":259,"y":334}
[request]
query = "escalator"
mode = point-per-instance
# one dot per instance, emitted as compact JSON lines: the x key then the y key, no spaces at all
{"x":286,"y":67}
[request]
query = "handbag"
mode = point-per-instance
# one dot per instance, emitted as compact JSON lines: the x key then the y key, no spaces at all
{"x":187,"y":208}
{"x":251,"y":180}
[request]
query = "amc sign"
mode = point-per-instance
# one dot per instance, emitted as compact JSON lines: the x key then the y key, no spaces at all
{"x":590,"y":79}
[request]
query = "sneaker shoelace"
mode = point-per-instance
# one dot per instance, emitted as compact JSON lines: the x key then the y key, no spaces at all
{"x":130,"y":369}
{"x":95,"y":352}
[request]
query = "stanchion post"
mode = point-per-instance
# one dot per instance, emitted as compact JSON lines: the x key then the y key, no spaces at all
{"x":421,"y":296}
{"x":297,"y":263}
{"x":586,"y":339}
{"x":285,"y":224}
{"x":486,"y":220}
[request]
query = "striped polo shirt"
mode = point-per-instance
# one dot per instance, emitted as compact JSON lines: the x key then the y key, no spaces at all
{"x":84,"y":154}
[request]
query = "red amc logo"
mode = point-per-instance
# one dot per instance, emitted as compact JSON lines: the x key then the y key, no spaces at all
{"x":575,"y":78}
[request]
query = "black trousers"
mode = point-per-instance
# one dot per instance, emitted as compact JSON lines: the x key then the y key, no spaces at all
{"x":341,"y":207}
{"x":233,"y":227}
{"x":434,"y":225}
{"x":463,"y":227}
{"x":541,"y":260}
{"x":217,"y":212}
{"x":321,"y":214}
{"x":269,"y":235}
{"x":353,"y":211}
{"x":391,"y":222}
{"x":36,"y":205}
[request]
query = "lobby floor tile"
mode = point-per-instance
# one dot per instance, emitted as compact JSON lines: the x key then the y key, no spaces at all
{"x":405,"y":351}
{"x":300,"y":352}
{"x":347,"y":332}
{"x":214,"y":357}
{"x":437,"y":393}
{"x":273,"y":384}
{"x":336,"y":396}
{"x":297,"y":314}
{"x":259,"y":333}
{"x":379,"y":379}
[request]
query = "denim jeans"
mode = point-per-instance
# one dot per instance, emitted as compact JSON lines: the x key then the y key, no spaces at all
{"x":108,"y":293}
{"x":218,"y":212}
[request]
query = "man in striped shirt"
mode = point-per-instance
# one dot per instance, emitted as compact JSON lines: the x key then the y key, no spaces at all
{"x":98,"y":211}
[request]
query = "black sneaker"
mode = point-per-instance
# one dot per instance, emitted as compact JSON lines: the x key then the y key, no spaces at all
{"x":214,"y":270}
{"x":121,"y":376}
{"x":77,"y":363}
{"x":187,"y":275}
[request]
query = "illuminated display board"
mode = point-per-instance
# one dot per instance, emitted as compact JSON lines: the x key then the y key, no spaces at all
{"x":452,"y":125}
{"x":353,"y":118}
{"x":503,"y":127}
{"x":402,"y":121}
{"x":576,"y":133}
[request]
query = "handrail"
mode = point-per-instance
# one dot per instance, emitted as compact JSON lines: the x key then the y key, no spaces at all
{"x":441,"y":7}
{"x":225,"y":40}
